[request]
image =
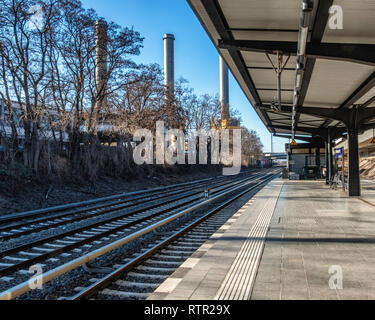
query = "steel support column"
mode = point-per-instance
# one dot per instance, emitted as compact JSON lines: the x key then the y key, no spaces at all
{"x":327,"y":162}
{"x":317,"y":161}
{"x":354,"y":179}
{"x":330,"y":173}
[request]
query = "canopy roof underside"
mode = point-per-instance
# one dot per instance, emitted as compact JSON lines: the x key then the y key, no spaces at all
{"x":340,"y":67}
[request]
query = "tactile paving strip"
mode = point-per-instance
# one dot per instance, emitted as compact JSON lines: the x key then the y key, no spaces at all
{"x":239,"y":281}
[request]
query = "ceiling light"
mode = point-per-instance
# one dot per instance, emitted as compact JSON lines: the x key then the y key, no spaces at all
{"x":298,"y":81}
{"x":302,"y":41}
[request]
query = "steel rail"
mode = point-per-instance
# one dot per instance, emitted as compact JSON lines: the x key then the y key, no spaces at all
{"x":87,"y":258}
{"x":100,"y":206}
{"x":128,"y":204}
{"x":110,"y":278}
{"x":26,"y":214}
{"x":8,"y":270}
{"x":114,"y":206}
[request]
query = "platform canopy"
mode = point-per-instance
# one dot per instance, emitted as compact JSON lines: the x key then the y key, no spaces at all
{"x":337,"y":73}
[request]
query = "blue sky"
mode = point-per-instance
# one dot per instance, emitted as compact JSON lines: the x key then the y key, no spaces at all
{"x":196,"y":58}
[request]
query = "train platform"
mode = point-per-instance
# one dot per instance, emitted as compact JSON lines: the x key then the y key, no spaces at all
{"x":368,"y":190}
{"x":293,"y":240}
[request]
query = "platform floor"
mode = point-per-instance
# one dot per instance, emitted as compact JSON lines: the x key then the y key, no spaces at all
{"x":368,"y":190}
{"x":294,"y":240}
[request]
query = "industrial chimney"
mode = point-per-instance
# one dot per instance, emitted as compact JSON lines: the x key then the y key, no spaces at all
{"x":224,"y":90}
{"x":169,"y":64}
{"x":101,"y":62}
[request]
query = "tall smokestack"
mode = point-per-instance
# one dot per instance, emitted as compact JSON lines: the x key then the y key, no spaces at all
{"x":101,"y":62}
{"x":224,"y":90}
{"x":169,"y":64}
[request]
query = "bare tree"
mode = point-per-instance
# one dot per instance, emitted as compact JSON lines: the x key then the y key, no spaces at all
{"x":59,"y":110}
{"x":24,"y":46}
{"x":139,"y":102}
{"x":252,"y":147}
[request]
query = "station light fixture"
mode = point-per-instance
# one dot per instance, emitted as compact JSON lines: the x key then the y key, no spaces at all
{"x":300,"y":64}
{"x":307,"y":8}
{"x":298,"y":81}
{"x":304,"y":31}
{"x":296,"y":92}
{"x":337,"y":141}
{"x":307,"y":5}
{"x":295,"y":101}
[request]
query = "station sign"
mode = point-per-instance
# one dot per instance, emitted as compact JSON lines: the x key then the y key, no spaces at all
{"x":339,"y":153}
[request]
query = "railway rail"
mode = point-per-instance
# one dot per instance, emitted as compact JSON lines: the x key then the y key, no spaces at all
{"x":145,"y":271}
{"x":68,"y":250}
{"x":17,"y":225}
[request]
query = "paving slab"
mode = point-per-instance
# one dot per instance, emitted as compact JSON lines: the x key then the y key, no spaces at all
{"x":332,"y":234}
{"x":208,"y":272}
{"x":319,"y":245}
{"x":368,"y":190}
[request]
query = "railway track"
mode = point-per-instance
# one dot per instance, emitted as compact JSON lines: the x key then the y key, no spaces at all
{"x":63,"y":252}
{"x":17,"y":225}
{"x":135,"y":279}
{"x":142,"y":273}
